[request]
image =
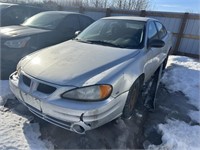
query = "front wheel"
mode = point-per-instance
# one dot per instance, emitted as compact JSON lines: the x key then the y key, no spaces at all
{"x":133,"y":96}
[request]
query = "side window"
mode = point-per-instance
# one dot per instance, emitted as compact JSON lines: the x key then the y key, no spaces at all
{"x":152,"y":31}
{"x":161,"y":30}
{"x":71,"y":24}
{"x":16,"y":15}
{"x":85,"y":21}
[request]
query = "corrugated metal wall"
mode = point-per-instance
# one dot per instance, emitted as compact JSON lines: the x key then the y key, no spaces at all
{"x":189,"y":39}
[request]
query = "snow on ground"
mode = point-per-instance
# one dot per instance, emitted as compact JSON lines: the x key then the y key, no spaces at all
{"x":178,"y":135}
{"x":182,"y":75}
{"x":5,"y":92}
{"x":16,"y":131}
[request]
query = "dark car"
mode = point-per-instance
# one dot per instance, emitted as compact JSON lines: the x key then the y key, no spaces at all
{"x":15,"y":14}
{"x":40,"y":31}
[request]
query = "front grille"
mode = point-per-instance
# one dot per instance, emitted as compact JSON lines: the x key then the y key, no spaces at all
{"x":26,"y":80}
{"x":45,"y":88}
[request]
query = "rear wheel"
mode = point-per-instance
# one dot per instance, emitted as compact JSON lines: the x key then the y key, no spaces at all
{"x":133,"y":96}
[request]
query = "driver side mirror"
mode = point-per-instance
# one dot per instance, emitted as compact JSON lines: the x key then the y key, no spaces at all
{"x":156,"y":43}
{"x":77,"y":33}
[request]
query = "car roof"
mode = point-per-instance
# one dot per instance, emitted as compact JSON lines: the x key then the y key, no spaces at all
{"x":21,"y":5}
{"x":8,"y":4}
{"x":145,"y":19}
{"x":5,"y":6}
{"x":60,"y":12}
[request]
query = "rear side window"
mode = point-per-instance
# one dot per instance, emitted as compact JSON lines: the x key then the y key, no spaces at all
{"x":152,"y":31}
{"x":85,"y":21}
{"x":15,"y":15}
{"x":161,"y":30}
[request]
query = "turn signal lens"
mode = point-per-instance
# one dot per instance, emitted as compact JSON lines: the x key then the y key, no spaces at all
{"x":105,"y":91}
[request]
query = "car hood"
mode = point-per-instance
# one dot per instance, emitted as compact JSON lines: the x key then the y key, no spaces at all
{"x":19,"y":31}
{"x":73,"y":63}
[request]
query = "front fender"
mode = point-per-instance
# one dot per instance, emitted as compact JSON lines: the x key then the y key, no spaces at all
{"x":123,"y":76}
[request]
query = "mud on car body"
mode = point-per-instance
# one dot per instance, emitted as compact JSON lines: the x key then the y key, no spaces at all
{"x":84,"y":83}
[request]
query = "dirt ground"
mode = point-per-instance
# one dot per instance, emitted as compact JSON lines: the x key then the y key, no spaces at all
{"x":138,"y":132}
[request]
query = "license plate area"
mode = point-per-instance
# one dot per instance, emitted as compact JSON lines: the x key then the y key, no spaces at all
{"x":34,"y":102}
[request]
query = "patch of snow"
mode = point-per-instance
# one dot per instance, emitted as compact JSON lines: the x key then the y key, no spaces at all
{"x":122,"y":139}
{"x":178,"y":135}
{"x":183,"y":74}
{"x":195,"y":116}
{"x":5,"y":92}
{"x":16,"y":131}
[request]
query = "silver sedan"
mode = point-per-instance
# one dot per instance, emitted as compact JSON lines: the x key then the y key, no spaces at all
{"x":86,"y":82}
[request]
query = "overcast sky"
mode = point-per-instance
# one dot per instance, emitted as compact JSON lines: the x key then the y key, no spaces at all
{"x":177,"y":5}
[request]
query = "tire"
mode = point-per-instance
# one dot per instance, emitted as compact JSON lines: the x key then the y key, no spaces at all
{"x":133,"y":96}
{"x":150,"y":102}
{"x":165,"y":61}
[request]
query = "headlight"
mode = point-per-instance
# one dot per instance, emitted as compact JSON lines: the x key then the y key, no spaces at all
{"x":19,"y":43}
{"x":90,"y":93}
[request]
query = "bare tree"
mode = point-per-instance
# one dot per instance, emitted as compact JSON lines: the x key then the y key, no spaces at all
{"x":131,"y":4}
{"x":118,"y":4}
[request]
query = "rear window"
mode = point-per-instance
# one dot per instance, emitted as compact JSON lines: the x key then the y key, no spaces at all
{"x":45,"y":20}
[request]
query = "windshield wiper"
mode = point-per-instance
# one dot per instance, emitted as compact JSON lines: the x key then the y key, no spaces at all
{"x":83,"y":41}
{"x":104,"y":43}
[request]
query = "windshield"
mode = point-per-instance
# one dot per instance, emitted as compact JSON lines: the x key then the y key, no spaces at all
{"x":45,"y":20}
{"x":115,"y":33}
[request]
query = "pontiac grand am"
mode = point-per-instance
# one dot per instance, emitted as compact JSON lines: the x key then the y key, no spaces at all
{"x":86,"y":82}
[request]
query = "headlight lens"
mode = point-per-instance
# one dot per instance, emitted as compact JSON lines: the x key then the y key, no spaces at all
{"x":19,"y":43}
{"x":91,"y":93}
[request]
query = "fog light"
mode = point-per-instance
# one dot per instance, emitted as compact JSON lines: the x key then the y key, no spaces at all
{"x":78,"y":129}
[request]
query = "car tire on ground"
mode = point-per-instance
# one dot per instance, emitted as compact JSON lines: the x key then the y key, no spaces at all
{"x":165,"y":61}
{"x":150,"y":101}
{"x":133,"y":96}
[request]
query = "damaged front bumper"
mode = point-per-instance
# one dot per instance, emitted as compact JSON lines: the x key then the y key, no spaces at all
{"x":77,"y":116}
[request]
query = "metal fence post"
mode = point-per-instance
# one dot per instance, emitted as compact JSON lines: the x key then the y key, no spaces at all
{"x":81,"y":9}
{"x":108,"y":12}
{"x":143,"y":13}
{"x":181,"y":32}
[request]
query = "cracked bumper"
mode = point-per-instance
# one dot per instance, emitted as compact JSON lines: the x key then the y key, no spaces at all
{"x":66,"y":113}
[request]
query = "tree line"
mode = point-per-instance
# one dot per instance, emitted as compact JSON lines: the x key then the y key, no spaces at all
{"x":116,"y":4}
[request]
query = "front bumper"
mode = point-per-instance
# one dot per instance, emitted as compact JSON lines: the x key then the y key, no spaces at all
{"x":68,"y":114}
